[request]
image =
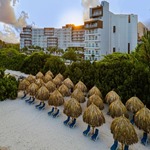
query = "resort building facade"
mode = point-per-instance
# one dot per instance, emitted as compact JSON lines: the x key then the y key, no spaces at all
{"x":103,"y":33}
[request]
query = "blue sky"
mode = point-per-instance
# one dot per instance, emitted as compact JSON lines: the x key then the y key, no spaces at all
{"x":56,"y":13}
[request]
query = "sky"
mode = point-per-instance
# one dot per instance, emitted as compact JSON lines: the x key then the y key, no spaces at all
{"x":57,"y":13}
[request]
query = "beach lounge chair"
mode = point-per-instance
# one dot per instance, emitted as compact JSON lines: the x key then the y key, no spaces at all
{"x":27,"y":100}
{"x":42,"y":107}
{"x":126,"y":147}
{"x":132,"y":120}
{"x":38,"y":105}
{"x":72,"y":125}
{"x":114,"y":146}
{"x":24,"y":96}
{"x":50,"y":112}
{"x":144,"y":140}
{"x":87,"y":131}
{"x":32,"y":101}
{"x":56,"y":114}
{"x":95,"y":135}
{"x":67,"y":121}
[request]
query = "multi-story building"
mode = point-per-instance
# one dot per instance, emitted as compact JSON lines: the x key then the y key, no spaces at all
{"x":142,"y":29}
{"x":104,"y":33}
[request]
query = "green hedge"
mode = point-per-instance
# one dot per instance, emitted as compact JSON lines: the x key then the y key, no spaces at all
{"x":8,"y":86}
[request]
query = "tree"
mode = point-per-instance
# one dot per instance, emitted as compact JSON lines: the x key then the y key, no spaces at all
{"x":34,"y":63}
{"x":55,"y":64}
{"x":143,"y":49}
{"x":70,"y":55}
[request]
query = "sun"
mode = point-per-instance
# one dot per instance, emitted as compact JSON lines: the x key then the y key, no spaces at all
{"x":72,"y":17}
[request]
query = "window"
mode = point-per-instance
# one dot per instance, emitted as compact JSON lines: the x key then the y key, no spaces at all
{"x":114,"y":29}
{"x":129,"y":19}
{"x":128,"y":48}
{"x":114,"y":49}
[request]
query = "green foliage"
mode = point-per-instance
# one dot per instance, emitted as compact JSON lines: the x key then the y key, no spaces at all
{"x":11,"y":59}
{"x":83,"y":71}
{"x":34,"y":63}
{"x":55,"y":64}
{"x":143,"y":49}
{"x":8,"y":86}
{"x":70,"y":55}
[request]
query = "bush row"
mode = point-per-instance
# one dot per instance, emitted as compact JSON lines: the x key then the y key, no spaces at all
{"x":120,"y":72}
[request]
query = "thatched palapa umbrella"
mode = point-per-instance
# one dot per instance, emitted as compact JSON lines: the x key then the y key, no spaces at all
{"x":57,"y":81}
{"x":39,"y":82}
{"x":78,"y":95}
{"x":56,"y":99}
{"x":72,"y":108}
{"x":95,"y":99}
{"x":93,"y":116}
{"x":60,"y":76}
{"x":134,"y":104}
{"x":117,"y":109}
{"x":42,"y":94}
{"x":23,"y":85}
{"x":47,"y":78}
{"x":31,"y":78}
{"x":63,"y":89}
{"x":123,"y":131}
{"x":111,"y":97}
{"x":49,"y":73}
{"x":39,"y":75}
{"x":80,"y":85}
{"x":142,"y":119}
{"x":50,"y":86}
{"x":32,"y":89}
{"x":94,"y":90}
{"x":68,"y":83}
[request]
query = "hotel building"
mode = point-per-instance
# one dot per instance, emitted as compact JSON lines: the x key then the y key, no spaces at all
{"x":104,"y":33}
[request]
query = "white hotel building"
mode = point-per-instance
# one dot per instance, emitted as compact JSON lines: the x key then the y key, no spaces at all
{"x":104,"y":33}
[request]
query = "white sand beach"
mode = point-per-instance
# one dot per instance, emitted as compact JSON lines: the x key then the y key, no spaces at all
{"x":23,"y":127}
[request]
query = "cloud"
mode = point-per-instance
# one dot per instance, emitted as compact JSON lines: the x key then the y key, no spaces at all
{"x":86,"y":5}
{"x":8,"y":35}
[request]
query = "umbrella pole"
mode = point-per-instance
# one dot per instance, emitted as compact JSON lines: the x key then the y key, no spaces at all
{"x":122,"y":146}
{"x":93,"y":130}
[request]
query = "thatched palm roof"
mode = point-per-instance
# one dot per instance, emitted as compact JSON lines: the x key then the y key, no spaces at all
{"x":78,"y":95}
{"x":134,"y":104}
{"x":142,"y":119}
{"x":39,"y":75}
{"x":42,"y":93}
{"x":31,"y":78}
{"x":57,"y":81}
{"x":63,"y":89}
{"x":39,"y":82}
{"x":94,"y":90}
{"x":68,"y":83}
{"x":80,"y":85}
{"x":56,"y":98}
{"x":123,"y":131}
{"x":111,"y":97}
{"x":93,"y":116}
{"x":49,"y":73}
{"x":95,"y":99}
{"x":32,"y":89}
{"x":117,"y":109}
{"x":23,"y":85}
{"x":47,"y":78}
{"x":60,"y":76}
{"x":50,"y":86}
{"x":72,"y":108}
